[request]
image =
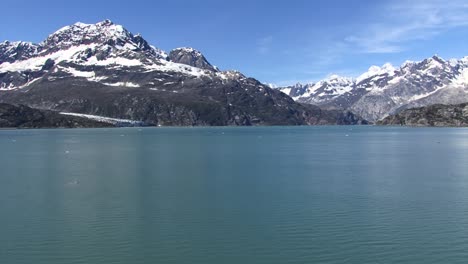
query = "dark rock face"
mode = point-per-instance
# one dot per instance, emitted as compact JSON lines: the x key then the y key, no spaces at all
{"x":25,"y":117}
{"x":102,"y":69}
{"x":434,"y":115}
{"x":320,"y":116}
{"x":192,"y":57}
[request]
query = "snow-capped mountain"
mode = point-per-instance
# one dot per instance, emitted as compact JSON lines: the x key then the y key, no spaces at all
{"x":103,"y":69}
{"x":192,"y":57}
{"x":385,"y":90}
{"x":331,"y":87}
{"x":79,"y":49}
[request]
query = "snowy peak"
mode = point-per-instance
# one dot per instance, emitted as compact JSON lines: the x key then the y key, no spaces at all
{"x":298,"y":85}
{"x":375,"y":71}
{"x":438,"y":58}
{"x":12,"y":51}
{"x":386,"y":89}
{"x":295,"y":90}
{"x":142,"y":44}
{"x":433,"y":71}
{"x":80,"y":33}
{"x":331,"y":87}
{"x":105,"y":34}
{"x":337,"y":80}
{"x":81,"y":50}
{"x":96,"y":52}
{"x":432,"y":62}
{"x":189,"y":50}
{"x":191,"y":57}
{"x":464,"y":60}
{"x":231,"y":74}
{"x":106,"y":38}
{"x":103,"y":43}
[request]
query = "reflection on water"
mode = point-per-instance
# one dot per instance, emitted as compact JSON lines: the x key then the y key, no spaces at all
{"x":234,"y":195}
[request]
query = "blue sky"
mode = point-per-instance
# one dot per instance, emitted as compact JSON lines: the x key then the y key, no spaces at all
{"x":279,"y":42}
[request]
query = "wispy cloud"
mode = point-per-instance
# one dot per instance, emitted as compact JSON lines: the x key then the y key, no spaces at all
{"x":409,"y":20}
{"x":394,"y":26}
{"x":264,"y":44}
{"x":329,"y":55}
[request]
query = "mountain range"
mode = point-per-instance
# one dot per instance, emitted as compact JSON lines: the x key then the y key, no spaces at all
{"x":104,"y":70}
{"x":387,"y":90}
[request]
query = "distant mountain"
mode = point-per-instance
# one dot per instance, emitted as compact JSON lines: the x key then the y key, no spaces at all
{"x":104,"y":70}
{"x":434,"y":115}
{"x":382,"y":91}
{"x":25,"y":117}
{"x":192,"y":57}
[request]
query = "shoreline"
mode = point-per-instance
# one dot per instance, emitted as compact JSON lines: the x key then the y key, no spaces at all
{"x":266,"y":126}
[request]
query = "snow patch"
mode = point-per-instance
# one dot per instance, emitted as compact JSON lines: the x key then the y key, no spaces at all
{"x":104,"y":119}
{"x":113,"y":61}
{"x":123,"y":84}
{"x":77,"y":73}
{"x":462,"y":79}
{"x":89,"y":75}
{"x":421,"y":96}
{"x":287,"y":91}
{"x":167,"y":66}
{"x":407,"y":63}
{"x":4,"y":87}
{"x":36,"y":63}
{"x":334,"y":85}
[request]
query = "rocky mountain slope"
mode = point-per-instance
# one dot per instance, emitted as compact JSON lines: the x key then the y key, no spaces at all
{"x":386,"y":90}
{"x":25,"y":117}
{"x":434,"y":115}
{"x":102,"y":69}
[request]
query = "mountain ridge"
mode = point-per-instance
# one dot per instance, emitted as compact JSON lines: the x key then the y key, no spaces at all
{"x":103,"y":69}
{"x":385,"y":90}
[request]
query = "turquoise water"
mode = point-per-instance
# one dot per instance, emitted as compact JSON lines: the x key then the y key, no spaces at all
{"x":234,"y":195}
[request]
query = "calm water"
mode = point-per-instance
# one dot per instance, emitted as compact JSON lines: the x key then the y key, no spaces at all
{"x":234,"y":195}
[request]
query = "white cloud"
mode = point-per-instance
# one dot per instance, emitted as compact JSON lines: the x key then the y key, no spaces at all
{"x":393,"y":27}
{"x":404,"y":21}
